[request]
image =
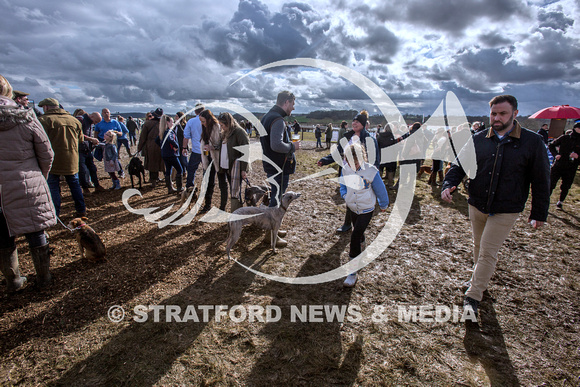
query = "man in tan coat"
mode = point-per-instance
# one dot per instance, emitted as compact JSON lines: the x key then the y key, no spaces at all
{"x":65,"y":133}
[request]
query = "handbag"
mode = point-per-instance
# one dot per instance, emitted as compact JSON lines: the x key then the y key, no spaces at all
{"x":98,"y":155}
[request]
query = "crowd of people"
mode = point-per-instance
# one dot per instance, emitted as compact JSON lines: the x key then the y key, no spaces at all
{"x":39,"y":150}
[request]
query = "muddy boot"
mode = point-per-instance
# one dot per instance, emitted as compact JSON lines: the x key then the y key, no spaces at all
{"x":9,"y":267}
{"x":41,"y":259}
{"x":441,"y":177}
{"x":169,"y":185}
{"x":179,"y":183}
{"x":235,"y":204}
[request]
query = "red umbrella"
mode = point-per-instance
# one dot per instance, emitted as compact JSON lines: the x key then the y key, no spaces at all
{"x":560,"y":112}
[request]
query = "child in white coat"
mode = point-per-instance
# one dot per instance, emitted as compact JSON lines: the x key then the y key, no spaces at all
{"x":360,"y":186}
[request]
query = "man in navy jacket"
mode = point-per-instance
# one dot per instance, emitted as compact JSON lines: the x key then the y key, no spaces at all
{"x":510,"y":159}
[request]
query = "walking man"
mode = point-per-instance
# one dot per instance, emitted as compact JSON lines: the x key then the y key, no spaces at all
{"x":566,"y":151}
{"x":510,"y":159}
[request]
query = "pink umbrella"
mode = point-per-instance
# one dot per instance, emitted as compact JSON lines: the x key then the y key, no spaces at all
{"x":560,"y":112}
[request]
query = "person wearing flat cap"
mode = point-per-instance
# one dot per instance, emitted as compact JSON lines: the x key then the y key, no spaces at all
{"x":357,"y":134}
{"x":21,"y":98}
{"x":66,"y":134}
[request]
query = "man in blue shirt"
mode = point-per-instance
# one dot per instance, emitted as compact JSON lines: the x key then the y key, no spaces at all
{"x":103,"y":127}
{"x":192,"y":132}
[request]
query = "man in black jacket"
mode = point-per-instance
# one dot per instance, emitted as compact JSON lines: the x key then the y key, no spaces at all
{"x":566,"y":151}
{"x":509,"y":159}
{"x":279,"y":149}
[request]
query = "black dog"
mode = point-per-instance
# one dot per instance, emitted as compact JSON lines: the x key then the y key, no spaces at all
{"x":136,"y":168}
{"x":254,"y":193}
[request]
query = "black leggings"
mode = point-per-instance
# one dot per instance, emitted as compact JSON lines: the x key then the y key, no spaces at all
{"x":360,"y":223}
{"x":35,"y":239}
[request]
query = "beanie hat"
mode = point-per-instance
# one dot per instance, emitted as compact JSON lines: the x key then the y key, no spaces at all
{"x":362,"y":117}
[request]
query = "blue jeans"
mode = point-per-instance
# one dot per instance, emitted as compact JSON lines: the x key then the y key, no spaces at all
{"x":172,"y":162}
{"x":87,"y":170}
{"x":275,"y":196}
{"x":183,"y":161}
{"x":123,"y":141}
{"x":75,"y":189}
{"x":133,"y":138}
{"x":192,"y":165}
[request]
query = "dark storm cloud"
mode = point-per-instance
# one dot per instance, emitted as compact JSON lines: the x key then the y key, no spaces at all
{"x":480,"y":71}
{"x":554,"y":20}
{"x":494,"y":39}
{"x":255,"y":36}
{"x":552,"y":47}
{"x":452,"y":16}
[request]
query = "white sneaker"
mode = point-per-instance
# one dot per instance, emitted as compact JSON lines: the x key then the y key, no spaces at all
{"x":350,"y":280}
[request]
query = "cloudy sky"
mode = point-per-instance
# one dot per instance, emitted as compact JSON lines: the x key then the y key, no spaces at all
{"x":137,"y":55}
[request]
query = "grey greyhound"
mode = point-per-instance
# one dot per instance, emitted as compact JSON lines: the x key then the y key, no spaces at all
{"x":268,"y":218}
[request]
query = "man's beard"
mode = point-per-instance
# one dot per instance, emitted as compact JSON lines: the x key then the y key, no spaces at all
{"x":503,"y":126}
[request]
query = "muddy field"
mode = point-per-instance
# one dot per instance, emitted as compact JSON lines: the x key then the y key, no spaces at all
{"x":528,"y":332}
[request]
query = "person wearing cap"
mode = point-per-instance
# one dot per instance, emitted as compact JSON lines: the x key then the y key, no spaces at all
{"x":192,"y":132}
{"x":66,"y":134}
{"x":21,"y":98}
{"x":26,"y":206}
{"x":149,"y":148}
{"x":357,"y":134}
{"x":566,"y":151}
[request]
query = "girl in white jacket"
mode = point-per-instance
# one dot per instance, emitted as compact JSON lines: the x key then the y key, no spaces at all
{"x":360,"y":186}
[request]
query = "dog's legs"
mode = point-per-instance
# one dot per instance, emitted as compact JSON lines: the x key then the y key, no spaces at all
{"x":82,"y":250}
{"x":234,"y":235}
{"x":132,"y":184}
{"x":274,"y":238}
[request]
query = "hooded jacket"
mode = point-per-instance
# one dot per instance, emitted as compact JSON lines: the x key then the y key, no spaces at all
{"x":360,"y":189}
{"x":25,"y":160}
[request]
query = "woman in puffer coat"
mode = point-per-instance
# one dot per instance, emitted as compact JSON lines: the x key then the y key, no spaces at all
{"x":26,"y":206}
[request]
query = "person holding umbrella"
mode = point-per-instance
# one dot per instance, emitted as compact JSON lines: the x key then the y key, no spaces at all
{"x":566,"y":151}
